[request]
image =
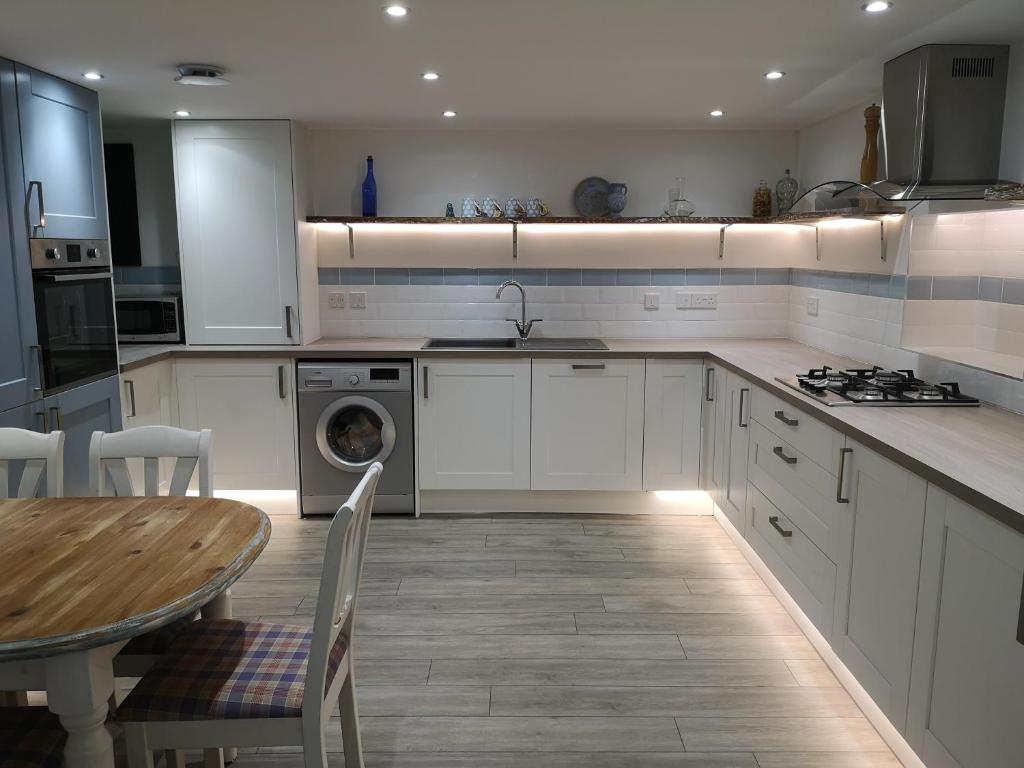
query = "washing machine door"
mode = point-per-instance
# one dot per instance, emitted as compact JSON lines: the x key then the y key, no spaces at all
{"x":355,"y":431}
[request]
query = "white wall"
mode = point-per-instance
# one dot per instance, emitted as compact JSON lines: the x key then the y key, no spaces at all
{"x":419,"y":171}
{"x":832,"y":148}
{"x":154,"y":179}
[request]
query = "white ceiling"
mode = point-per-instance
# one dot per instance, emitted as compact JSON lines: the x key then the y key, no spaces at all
{"x":504,"y":63}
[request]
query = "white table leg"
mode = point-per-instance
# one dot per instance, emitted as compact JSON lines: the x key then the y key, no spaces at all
{"x":78,"y":685}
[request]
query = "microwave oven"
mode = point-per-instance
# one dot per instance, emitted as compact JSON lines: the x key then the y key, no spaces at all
{"x":149,"y":319}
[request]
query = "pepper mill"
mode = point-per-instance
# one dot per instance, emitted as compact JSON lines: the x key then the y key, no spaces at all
{"x":869,"y":162}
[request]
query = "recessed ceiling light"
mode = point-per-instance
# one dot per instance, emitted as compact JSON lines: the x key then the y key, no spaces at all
{"x":200,"y":74}
{"x":182,"y":113}
{"x":92,"y":75}
{"x":449,"y":113}
{"x":397,"y":11}
{"x":430,"y":76}
{"x":774,"y":75}
{"x":878,"y":6}
{"x":716,"y":113}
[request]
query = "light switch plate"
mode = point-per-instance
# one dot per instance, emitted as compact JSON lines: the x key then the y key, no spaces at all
{"x":684,"y":300}
{"x":651,"y":301}
{"x":812,"y":306}
{"x":704,"y":301}
{"x":336,"y":300}
{"x":357,"y":299}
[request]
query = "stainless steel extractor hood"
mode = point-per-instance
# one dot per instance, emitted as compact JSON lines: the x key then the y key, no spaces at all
{"x":942,"y":126}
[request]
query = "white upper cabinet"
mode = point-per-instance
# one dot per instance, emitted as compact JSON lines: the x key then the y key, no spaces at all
{"x":878,"y":562}
{"x":967,"y":694}
{"x":474,"y":424}
{"x":672,"y":414}
{"x":588,"y":425}
{"x":237,"y":223}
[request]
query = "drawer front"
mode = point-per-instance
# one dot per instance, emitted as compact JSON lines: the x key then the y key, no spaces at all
{"x":803,"y":569}
{"x":805,"y":491}
{"x":803,"y":432}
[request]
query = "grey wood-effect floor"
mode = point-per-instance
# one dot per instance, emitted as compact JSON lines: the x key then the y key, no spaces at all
{"x":563,"y":641}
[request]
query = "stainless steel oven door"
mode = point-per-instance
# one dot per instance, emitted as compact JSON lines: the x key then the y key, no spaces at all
{"x":355,"y":431}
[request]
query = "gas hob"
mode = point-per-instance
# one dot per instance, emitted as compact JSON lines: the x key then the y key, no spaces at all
{"x":875,"y":386}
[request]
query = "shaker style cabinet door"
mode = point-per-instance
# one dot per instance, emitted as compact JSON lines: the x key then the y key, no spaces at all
{"x":19,"y":361}
{"x":967,"y":689}
{"x":236,"y":219}
{"x":249,"y":406}
{"x":474,"y":425}
{"x":736,"y":442}
{"x":79,"y":412}
{"x":62,"y":156}
{"x":878,"y":562}
{"x":588,"y":425}
{"x":672,"y":428}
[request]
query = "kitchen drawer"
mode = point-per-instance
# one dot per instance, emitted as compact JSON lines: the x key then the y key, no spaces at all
{"x":805,"y":433}
{"x":805,"y":491}
{"x":806,"y":573}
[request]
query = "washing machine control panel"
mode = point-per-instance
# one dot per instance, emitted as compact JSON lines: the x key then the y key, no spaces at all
{"x":347,"y":377}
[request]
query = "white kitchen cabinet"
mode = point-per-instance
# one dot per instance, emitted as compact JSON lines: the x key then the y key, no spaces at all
{"x":588,"y":425}
{"x":879,"y":562}
{"x":967,"y":690}
{"x":149,"y":398}
{"x":474,"y":424}
{"x":734,"y":435}
{"x":237,"y":227}
{"x":709,"y":475}
{"x":250,"y":407}
{"x":672,"y":430}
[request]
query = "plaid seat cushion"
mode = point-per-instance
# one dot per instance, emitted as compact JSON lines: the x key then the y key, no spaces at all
{"x":159,"y":640}
{"x":228,"y":669}
{"x":30,"y":737}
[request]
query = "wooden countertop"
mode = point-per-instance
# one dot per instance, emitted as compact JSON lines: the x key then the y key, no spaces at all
{"x":977,"y":454}
{"x":78,"y":573}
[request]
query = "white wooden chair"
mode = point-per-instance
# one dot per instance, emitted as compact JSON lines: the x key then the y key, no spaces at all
{"x":253,"y":684}
{"x":43,"y":455}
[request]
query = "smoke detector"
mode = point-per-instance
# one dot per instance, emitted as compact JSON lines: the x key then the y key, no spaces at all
{"x":200,"y":74}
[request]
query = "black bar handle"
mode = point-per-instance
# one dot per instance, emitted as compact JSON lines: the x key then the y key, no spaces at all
{"x":781,"y":416}
{"x":739,"y":421}
{"x":131,"y":397}
{"x":773,"y":521}
{"x":842,"y":473}
{"x":709,"y":385}
{"x":426,"y":383}
{"x":588,"y":366}
{"x":280,"y":384}
{"x":777,"y":450}
{"x":1020,"y":619}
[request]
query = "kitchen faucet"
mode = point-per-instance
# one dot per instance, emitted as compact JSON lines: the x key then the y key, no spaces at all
{"x":522,"y":326}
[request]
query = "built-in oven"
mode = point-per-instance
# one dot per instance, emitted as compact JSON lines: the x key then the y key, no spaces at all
{"x":74,"y":297}
{"x":149,"y":320}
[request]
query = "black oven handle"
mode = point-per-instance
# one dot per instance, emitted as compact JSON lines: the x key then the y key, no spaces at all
{"x":72,"y":277}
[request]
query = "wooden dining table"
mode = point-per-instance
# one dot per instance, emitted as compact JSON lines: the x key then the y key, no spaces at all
{"x":80,"y":577}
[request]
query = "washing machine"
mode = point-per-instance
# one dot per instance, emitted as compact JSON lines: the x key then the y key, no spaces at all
{"x":352,"y":414}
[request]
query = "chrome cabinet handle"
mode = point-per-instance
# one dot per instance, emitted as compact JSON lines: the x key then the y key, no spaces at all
{"x":42,"y":206}
{"x":781,"y":416}
{"x":131,"y":396}
{"x":58,"y":419}
{"x":288,"y":320}
{"x":39,"y":367}
{"x":774,"y":522}
{"x":777,"y":450}
{"x":426,"y":383}
{"x":709,"y":385}
{"x":842,"y":473}
{"x":739,"y":421}
{"x":1020,"y":619}
{"x":280,"y":383}
{"x":588,"y":366}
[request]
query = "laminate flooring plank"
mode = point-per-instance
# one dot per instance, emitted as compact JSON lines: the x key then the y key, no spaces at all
{"x":500,"y":647}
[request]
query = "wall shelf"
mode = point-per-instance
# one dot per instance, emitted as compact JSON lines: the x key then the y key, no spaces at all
{"x":674,"y":220}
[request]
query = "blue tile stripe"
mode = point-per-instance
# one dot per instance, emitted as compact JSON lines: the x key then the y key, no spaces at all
{"x":915,"y":287}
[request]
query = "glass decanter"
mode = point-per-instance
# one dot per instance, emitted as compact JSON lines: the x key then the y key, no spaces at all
{"x":678,"y":205}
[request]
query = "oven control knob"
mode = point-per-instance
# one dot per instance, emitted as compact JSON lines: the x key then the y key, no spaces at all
{"x":93,"y":253}
{"x":353,"y":379}
{"x":53,"y":254}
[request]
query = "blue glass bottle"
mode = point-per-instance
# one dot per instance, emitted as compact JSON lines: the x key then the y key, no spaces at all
{"x":369,"y":190}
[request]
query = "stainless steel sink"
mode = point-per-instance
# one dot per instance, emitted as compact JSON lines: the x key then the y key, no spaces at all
{"x":539,"y":343}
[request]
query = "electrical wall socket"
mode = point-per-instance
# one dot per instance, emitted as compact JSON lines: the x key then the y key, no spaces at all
{"x":336,"y":300}
{"x":812,"y":306}
{"x":684,"y":300}
{"x":651,"y":301}
{"x":357,"y":299}
{"x":704,"y":301}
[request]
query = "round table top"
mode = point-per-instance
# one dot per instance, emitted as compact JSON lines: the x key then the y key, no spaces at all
{"x":79,"y":573}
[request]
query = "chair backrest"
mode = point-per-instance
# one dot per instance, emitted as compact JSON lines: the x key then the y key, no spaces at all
{"x":109,"y":451}
{"x":40,"y":454}
{"x":336,"y":603}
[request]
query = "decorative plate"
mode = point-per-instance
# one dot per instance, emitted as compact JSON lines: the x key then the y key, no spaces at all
{"x":591,"y":197}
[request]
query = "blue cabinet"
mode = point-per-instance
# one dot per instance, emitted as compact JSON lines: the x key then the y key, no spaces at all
{"x":62,"y":157}
{"x":79,"y":412}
